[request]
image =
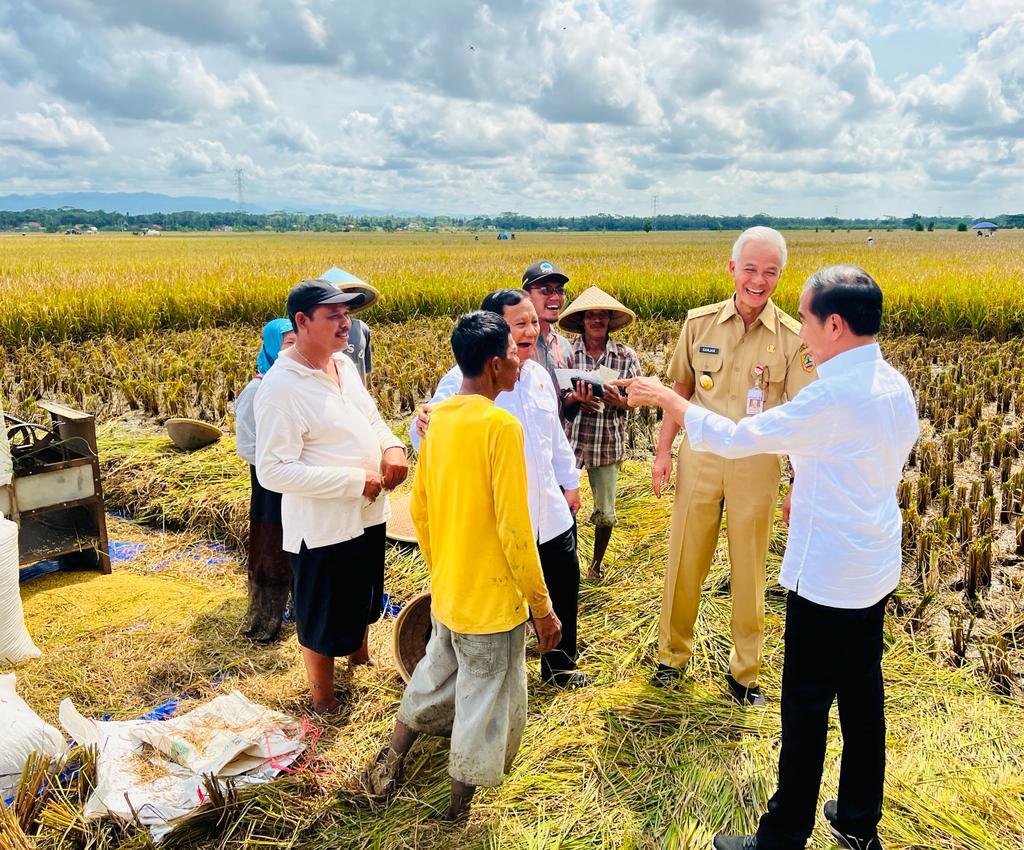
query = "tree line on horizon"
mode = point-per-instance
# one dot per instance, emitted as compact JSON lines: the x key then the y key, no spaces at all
{"x":57,"y":220}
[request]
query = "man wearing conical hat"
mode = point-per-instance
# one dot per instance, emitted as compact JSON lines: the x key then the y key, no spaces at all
{"x":597,"y":426}
{"x":738,"y":358}
{"x":358,"y":348}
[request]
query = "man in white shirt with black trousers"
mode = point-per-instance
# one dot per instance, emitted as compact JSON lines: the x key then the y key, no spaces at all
{"x":848,"y":436}
{"x":322,"y":444}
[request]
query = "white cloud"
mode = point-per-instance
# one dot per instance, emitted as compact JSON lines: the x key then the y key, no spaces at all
{"x":52,"y":128}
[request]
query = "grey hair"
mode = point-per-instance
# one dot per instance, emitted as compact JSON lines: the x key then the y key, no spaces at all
{"x":760,"y":234}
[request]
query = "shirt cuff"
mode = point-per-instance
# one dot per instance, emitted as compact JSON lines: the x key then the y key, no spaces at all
{"x":392,"y":442}
{"x":693,"y":422}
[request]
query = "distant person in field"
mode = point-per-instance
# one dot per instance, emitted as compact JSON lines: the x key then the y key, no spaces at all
{"x":358,"y":348}
{"x":267,"y":563}
{"x":739,"y":357}
{"x":597,"y":425}
{"x":321,"y":442}
{"x":848,"y":435}
{"x":553,"y":481}
{"x":469,"y":506}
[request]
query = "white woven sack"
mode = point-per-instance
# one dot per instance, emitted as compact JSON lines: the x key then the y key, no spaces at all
{"x":24,"y":732}
{"x":15,"y":643}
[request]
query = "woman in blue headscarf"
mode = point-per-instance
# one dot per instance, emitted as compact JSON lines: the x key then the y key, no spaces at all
{"x":269,"y":574}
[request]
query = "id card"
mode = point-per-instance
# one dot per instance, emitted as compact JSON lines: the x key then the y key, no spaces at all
{"x":755,"y":401}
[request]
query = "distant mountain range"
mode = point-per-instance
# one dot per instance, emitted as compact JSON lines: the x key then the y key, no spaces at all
{"x":143,"y":203}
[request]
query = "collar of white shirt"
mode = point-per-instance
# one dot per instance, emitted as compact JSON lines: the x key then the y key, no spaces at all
{"x":846,"y":360}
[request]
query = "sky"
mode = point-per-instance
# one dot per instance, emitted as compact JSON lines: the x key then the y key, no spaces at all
{"x":544,"y":107}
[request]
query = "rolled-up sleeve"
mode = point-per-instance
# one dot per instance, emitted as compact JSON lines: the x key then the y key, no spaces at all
{"x":799,"y":426}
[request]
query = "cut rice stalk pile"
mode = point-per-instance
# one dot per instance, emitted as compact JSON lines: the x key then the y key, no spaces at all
{"x":620,"y":764}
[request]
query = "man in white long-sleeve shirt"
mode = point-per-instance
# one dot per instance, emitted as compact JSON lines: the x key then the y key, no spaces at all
{"x":321,"y":443}
{"x":848,"y":436}
{"x":550,"y":470}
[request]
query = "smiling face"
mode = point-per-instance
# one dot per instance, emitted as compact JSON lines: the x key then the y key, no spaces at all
{"x":548,"y":297}
{"x":756,"y":275}
{"x":522,"y":319}
{"x":327,"y":327}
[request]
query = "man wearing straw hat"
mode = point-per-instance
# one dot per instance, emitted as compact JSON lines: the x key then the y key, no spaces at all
{"x":738,"y":357}
{"x":358,"y":348}
{"x":597,"y":425}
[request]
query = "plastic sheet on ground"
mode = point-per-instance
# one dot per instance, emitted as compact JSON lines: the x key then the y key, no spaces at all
{"x":153,"y":769}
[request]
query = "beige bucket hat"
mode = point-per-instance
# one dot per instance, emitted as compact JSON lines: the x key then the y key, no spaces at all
{"x":191,"y":434}
{"x":350,"y":283}
{"x":595,"y":298}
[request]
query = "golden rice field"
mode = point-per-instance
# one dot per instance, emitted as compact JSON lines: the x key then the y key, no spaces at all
{"x":138,"y":330}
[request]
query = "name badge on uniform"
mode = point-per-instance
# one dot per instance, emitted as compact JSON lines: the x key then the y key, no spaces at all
{"x":755,"y":395}
{"x":709,"y":349}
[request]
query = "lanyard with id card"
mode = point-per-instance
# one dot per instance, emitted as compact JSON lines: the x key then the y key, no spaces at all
{"x":755,"y":395}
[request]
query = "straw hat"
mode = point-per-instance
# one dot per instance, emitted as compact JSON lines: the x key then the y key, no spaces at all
{"x":594,"y":298}
{"x":412,"y":631}
{"x":400,"y":525}
{"x":350,"y":283}
{"x":191,"y":434}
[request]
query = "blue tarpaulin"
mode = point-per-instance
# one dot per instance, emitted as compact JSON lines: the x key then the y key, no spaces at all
{"x":119,"y":552}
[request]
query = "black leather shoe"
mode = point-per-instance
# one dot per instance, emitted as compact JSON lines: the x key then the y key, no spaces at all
{"x":734,"y":842}
{"x":844,"y":839}
{"x":568,"y":680}
{"x":665,"y":676}
{"x":744,"y":695}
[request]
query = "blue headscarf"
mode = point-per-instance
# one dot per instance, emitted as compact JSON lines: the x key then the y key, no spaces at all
{"x":272,"y":335}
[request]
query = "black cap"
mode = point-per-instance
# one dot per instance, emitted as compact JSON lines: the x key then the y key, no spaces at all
{"x":309,"y":294}
{"x":543,"y":270}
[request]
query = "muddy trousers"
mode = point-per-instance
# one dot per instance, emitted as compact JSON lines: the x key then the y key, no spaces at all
{"x":748,"y":490}
{"x":471,"y":688}
{"x":832,"y":654}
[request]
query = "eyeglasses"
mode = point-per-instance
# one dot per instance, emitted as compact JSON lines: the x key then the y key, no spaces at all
{"x":548,"y":289}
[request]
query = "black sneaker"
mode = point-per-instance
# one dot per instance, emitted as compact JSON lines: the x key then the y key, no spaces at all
{"x":744,"y":695}
{"x":850,"y":842}
{"x":666,"y":676}
{"x":568,"y":680}
{"x":734,"y":842}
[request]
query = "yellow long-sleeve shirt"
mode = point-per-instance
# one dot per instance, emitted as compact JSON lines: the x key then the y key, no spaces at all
{"x":472,"y":519}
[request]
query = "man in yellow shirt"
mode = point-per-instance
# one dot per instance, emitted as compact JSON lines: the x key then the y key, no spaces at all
{"x":473,"y":523}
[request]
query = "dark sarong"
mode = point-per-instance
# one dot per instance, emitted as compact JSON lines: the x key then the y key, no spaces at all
{"x":270,"y":577}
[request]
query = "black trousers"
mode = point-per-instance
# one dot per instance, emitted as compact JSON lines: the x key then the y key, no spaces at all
{"x":561,"y":570}
{"x":831,"y":654}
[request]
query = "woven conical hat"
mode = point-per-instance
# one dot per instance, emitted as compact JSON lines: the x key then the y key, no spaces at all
{"x":595,"y":298}
{"x":412,"y":631}
{"x":350,"y":283}
{"x":400,"y":525}
{"x":191,"y":434}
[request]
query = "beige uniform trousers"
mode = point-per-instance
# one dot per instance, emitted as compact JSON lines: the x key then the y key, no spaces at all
{"x":749,"y":489}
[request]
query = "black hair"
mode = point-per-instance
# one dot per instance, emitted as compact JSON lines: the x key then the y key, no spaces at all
{"x":478,"y":337}
{"x":848,"y":292}
{"x":497,"y":301}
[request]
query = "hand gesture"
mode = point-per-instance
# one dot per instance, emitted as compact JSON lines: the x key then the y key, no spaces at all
{"x":422,"y":420}
{"x":641,"y":391}
{"x":373,"y":485}
{"x":549,"y":632}
{"x":661,"y":473}
{"x":613,"y":398}
{"x":394,"y":466}
{"x":584,"y":396}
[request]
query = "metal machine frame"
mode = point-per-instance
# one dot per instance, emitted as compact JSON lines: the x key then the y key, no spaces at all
{"x":57,"y":499}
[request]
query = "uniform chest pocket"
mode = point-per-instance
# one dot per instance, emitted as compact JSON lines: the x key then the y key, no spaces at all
{"x":710,"y":363}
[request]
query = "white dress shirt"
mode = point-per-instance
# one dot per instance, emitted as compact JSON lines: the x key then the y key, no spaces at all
{"x":550,"y":461}
{"x":315,"y":442}
{"x":245,"y":422}
{"x":847,"y":435}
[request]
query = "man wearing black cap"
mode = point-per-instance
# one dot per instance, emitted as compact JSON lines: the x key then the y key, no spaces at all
{"x":322,"y":444}
{"x":545,"y":283}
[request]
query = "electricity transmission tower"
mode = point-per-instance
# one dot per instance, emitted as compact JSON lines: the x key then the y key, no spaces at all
{"x":239,"y":175}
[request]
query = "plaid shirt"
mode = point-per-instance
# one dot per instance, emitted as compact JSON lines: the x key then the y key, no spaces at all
{"x":600,"y":438}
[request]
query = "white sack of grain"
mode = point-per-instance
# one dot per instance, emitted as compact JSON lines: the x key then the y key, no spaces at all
{"x":24,"y":732}
{"x":15,"y":643}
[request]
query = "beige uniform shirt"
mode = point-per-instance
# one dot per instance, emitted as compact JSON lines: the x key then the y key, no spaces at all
{"x":717,"y":358}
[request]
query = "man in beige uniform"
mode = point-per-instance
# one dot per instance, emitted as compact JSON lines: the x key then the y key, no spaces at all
{"x":737,"y":358}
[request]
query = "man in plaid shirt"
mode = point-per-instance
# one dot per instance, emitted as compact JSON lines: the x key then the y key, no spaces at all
{"x":596,"y":425}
